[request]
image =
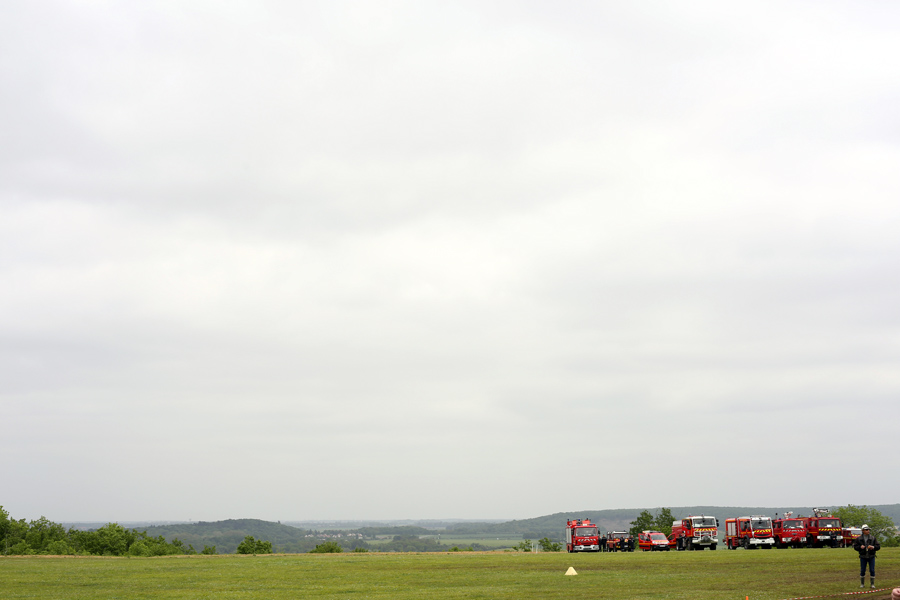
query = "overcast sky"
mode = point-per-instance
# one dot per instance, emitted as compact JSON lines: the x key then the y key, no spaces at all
{"x":386,"y":260}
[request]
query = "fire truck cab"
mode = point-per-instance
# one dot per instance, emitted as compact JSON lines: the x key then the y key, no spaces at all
{"x":749,"y":532}
{"x":824,"y":529}
{"x":582,"y":536}
{"x":789,"y":531}
{"x":699,"y":531}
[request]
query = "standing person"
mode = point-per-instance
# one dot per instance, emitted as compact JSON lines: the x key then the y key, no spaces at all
{"x":867,"y":545}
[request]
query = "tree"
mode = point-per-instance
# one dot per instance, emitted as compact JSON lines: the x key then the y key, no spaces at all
{"x":251,"y":545}
{"x":112,"y":540}
{"x":662,"y":522}
{"x":140,"y":548}
{"x":549,"y":546}
{"x":4,"y":527}
{"x":882,"y":526}
{"x":524,"y":546}
{"x":644,"y":521}
{"x":327,"y":548}
{"x":43,"y":532}
{"x":208,"y":550}
{"x":60,"y":547}
{"x":664,"y":519}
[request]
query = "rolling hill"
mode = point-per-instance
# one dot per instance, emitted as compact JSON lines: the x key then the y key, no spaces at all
{"x":226,"y":535}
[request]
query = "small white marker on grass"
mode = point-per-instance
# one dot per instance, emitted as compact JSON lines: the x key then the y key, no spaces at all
{"x":571,"y":571}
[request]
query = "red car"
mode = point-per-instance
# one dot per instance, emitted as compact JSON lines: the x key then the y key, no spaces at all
{"x":653,"y":540}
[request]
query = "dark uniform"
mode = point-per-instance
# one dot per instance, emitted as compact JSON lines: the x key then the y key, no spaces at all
{"x":866,"y":555}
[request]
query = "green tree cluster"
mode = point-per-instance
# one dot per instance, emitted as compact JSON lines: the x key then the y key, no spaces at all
{"x":881,"y":525}
{"x":662,"y":522}
{"x":42,"y":536}
{"x":524,"y":546}
{"x":549,"y":546}
{"x":251,"y":545}
{"x":328,"y":547}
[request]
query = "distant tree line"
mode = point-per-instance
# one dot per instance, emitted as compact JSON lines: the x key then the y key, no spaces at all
{"x":42,"y":536}
{"x":372,"y":532}
{"x":227,"y":535}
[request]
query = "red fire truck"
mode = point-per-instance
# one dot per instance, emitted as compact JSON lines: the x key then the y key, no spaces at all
{"x":749,"y":532}
{"x":850,"y":534}
{"x":824,"y":529}
{"x":789,"y":531}
{"x":582,"y":536}
{"x":699,"y":532}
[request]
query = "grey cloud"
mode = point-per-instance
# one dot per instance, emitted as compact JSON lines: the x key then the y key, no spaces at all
{"x":331,"y":246}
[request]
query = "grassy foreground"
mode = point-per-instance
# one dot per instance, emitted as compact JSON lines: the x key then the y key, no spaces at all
{"x":759,"y":574}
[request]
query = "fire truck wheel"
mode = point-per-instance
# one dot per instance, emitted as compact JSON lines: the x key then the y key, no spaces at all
{"x":712,"y":546}
{"x":745,"y":543}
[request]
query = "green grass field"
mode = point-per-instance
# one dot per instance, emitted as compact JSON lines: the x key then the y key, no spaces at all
{"x":760,"y":574}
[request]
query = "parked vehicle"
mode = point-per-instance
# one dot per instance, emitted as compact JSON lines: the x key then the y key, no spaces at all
{"x":749,"y":532}
{"x":673,"y":542}
{"x":619,"y":541}
{"x":652,"y":541}
{"x":850,"y":534}
{"x":699,"y":532}
{"x":789,"y":531}
{"x":824,"y":529}
{"x":582,"y":536}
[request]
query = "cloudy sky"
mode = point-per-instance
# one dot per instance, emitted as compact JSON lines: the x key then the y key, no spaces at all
{"x":385,"y":260}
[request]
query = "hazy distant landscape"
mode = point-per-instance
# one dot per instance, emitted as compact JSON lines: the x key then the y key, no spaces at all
{"x":423,"y":535}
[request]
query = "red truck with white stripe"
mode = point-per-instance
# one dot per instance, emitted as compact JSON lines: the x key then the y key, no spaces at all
{"x":700,"y":532}
{"x":789,"y":531}
{"x":749,"y":532}
{"x":824,"y":529}
{"x":582,"y":536}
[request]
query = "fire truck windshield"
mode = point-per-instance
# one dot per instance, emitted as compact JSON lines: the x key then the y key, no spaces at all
{"x":795,"y":524}
{"x":761,"y":523}
{"x":586,"y":531}
{"x":828,"y":523}
{"x":658,"y":536}
{"x":704,"y":522}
